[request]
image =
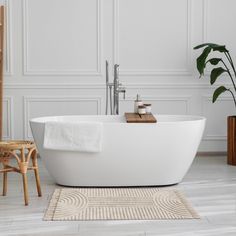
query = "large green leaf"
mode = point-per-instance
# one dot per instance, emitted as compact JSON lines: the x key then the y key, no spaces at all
{"x":220,"y":48}
{"x":218,"y":92}
{"x":214,"y":61}
{"x":205,"y":44}
{"x":215,"y":73}
{"x":214,"y":46}
{"x":201,"y":60}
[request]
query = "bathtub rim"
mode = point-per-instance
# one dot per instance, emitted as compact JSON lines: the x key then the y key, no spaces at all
{"x":189,"y":118}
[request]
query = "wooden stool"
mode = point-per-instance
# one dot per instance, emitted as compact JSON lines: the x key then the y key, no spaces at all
{"x":22,"y":151}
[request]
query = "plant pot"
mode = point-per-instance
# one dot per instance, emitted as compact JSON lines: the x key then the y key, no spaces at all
{"x":231,"y":140}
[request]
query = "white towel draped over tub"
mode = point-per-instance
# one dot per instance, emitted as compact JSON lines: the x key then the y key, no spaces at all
{"x":76,"y":136}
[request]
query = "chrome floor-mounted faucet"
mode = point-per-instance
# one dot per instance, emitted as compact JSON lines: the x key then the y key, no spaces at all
{"x":113,"y":90}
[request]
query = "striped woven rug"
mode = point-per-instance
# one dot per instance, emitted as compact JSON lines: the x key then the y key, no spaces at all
{"x":118,"y":204}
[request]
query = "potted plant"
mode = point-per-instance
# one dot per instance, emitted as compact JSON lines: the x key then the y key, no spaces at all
{"x":222,"y":64}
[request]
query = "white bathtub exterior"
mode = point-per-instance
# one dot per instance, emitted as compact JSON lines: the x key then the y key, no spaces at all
{"x":132,"y":154}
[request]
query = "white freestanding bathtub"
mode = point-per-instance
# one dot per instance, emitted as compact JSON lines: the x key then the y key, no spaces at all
{"x":132,"y":154}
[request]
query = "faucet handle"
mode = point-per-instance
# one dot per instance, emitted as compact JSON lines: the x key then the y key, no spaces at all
{"x":122,"y":90}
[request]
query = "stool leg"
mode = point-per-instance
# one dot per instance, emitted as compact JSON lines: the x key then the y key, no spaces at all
{"x":36,"y":173}
{"x":25,"y":186}
{"x":23,"y":169}
{"x":4,"y":192}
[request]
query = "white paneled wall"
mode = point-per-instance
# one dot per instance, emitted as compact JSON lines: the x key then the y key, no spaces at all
{"x":56,"y":51}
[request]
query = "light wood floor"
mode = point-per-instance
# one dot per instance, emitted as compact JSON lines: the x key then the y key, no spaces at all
{"x":210,"y":186}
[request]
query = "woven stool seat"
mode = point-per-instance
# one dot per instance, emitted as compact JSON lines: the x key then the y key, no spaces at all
{"x":22,"y":151}
{"x":16,"y":144}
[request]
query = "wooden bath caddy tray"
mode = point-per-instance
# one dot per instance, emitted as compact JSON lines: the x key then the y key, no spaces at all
{"x":136,"y":118}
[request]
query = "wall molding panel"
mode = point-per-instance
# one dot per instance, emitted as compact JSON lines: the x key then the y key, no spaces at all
{"x":8,"y":70}
{"x":56,"y":99}
{"x":214,"y":136}
{"x":159,"y":72}
{"x":205,"y":21}
{"x":8,"y":104}
{"x":186,"y":99}
{"x":78,"y":72}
